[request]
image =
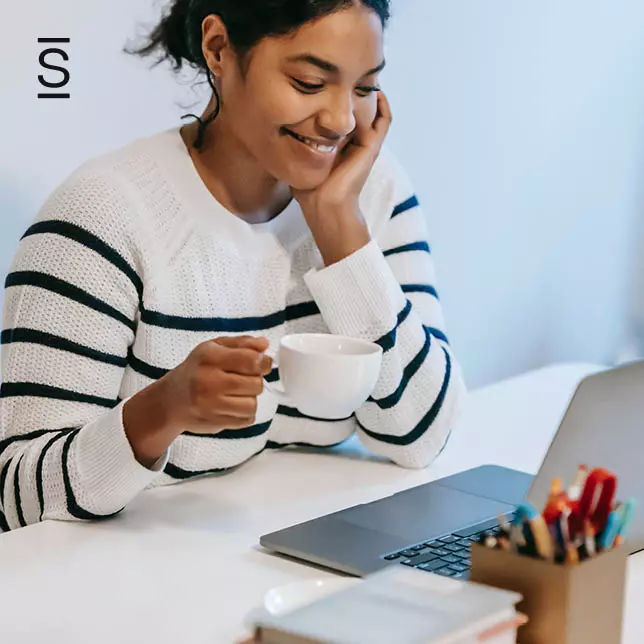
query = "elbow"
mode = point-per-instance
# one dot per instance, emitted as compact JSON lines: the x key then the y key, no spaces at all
{"x":431,"y":445}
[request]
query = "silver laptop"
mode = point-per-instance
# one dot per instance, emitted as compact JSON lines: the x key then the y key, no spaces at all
{"x":602,"y":427}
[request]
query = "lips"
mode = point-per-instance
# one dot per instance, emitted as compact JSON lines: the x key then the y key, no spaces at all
{"x":323,"y":148}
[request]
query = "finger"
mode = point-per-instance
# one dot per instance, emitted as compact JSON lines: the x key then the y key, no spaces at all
{"x":246,"y":362}
{"x":384,"y":118}
{"x":243,"y":342}
{"x":237,"y":406}
{"x":238,"y":385}
{"x":266,"y":365}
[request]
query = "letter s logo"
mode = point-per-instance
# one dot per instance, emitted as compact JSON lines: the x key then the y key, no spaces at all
{"x":43,"y":62}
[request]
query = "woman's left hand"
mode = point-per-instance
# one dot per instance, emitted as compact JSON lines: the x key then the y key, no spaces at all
{"x":332,"y":210}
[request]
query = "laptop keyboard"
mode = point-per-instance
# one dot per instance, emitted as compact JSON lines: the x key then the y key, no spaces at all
{"x":448,"y":555}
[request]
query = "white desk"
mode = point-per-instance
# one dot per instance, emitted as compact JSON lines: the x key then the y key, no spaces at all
{"x":182,"y":564}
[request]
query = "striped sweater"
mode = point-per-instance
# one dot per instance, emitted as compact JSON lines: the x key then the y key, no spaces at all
{"x":131,"y":263}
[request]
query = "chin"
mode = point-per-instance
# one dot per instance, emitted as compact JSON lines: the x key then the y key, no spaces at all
{"x":302,"y":180}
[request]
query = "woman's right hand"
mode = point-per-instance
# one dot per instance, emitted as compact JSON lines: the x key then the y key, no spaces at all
{"x":214,"y":388}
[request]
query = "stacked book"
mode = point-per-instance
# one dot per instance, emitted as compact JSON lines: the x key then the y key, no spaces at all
{"x":400,"y":605}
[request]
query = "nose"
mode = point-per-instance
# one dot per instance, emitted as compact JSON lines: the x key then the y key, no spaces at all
{"x":338,"y":116}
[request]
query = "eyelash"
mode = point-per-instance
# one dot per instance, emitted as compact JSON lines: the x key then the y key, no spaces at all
{"x":313,"y":88}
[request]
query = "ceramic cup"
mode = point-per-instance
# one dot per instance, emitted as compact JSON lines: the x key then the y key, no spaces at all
{"x":324,"y":375}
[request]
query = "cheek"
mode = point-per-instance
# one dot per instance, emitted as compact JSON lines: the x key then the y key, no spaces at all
{"x":283,"y":106}
{"x":365,"y":111}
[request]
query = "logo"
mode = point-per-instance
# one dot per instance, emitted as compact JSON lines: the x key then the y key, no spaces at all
{"x":44,"y":58}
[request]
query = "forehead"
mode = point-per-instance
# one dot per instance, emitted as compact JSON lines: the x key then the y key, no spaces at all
{"x":351,"y":39}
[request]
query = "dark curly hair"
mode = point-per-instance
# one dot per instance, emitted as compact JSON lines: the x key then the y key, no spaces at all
{"x":178,"y":36}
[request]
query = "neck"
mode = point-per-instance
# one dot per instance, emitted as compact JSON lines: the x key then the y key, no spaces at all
{"x":233,"y":175}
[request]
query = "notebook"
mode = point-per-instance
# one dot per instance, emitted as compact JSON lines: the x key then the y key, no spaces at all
{"x":400,"y":605}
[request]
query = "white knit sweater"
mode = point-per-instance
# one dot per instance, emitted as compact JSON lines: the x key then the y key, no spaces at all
{"x":131,"y":263}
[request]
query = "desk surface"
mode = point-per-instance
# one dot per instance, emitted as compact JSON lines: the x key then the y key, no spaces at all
{"x":182,"y":564}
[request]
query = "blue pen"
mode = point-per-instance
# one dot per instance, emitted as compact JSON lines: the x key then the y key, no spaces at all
{"x":524,"y":512}
{"x":611,"y":529}
{"x":628,"y":512}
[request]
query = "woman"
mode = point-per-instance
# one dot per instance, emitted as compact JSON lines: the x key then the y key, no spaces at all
{"x":141,"y":301}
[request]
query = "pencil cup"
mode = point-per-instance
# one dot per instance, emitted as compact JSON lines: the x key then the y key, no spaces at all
{"x":565,"y":603}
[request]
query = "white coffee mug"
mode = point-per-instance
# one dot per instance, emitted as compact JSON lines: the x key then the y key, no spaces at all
{"x":323,"y":375}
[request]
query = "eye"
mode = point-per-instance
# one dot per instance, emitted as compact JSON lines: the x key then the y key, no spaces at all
{"x":307,"y":88}
{"x":366,"y":91}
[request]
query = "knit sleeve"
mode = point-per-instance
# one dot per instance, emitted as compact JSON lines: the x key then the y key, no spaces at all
{"x":386,"y":293}
{"x":69,"y":315}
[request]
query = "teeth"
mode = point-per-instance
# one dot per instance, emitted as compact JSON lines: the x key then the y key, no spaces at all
{"x":326,"y":149}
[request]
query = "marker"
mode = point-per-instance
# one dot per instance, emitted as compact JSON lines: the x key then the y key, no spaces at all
{"x":542,"y":539}
{"x":574,"y":491}
{"x":490,"y":542}
{"x":504,"y":543}
{"x":610,"y":532}
{"x":628,"y":512}
{"x":572,"y":554}
{"x":589,"y":541}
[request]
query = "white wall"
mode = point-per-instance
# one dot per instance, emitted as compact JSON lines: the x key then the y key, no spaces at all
{"x":521,"y":123}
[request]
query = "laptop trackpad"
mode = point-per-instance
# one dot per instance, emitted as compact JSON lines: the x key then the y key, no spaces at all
{"x":424,"y":512}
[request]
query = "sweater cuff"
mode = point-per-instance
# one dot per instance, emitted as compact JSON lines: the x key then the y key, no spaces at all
{"x":358,"y":296}
{"x":107,"y":465}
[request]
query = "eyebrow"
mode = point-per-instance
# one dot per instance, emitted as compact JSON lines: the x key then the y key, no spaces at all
{"x":330,"y":67}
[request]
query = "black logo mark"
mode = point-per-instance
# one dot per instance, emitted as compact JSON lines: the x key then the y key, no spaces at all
{"x":51,"y":51}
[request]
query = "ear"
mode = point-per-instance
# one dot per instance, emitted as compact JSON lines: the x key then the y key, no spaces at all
{"x":215,"y":43}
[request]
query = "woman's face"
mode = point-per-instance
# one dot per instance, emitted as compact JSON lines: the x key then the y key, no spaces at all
{"x":301,"y":96}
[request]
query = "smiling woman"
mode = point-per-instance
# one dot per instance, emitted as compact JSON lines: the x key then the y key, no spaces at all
{"x":144,"y":298}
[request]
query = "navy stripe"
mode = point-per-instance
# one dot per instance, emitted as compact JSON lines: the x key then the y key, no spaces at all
{"x":408,"y":373}
{"x":40,"y":465}
{"x":231,"y":325}
{"x":72,"y":505}
{"x":437,"y":333}
{"x":301,"y":310}
{"x":274,"y":445}
{"x":61,"y":287}
{"x":412,"y":202}
{"x":16,"y":490}
{"x":425,"y":422}
{"x":294,"y":413}
{"x":421,"y":245}
{"x":3,"y":480}
{"x":177,"y":472}
{"x":246,"y":432}
{"x":419,"y":288}
{"x":5,"y":443}
{"x":31,"y":336}
{"x":273,"y":376}
{"x":388,"y":340}
{"x":144,"y":368}
{"x":11,"y":389}
{"x":91,"y":241}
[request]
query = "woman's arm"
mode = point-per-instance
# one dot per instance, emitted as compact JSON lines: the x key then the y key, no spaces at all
{"x":69,"y":316}
{"x":386,"y":292}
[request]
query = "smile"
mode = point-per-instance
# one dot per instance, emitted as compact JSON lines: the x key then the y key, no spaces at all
{"x":311,"y":143}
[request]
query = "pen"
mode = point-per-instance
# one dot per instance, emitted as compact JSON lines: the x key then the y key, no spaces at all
{"x":574,"y":491}
{"x":542,"y":539}
{"x":589,"y":542}
{"x":627,"y":518}
{"x":611,"y":530}
{"x":556,"y":488}
{"x":572,"y":554}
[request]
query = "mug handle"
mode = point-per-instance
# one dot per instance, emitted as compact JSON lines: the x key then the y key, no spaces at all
{"x":276,"y":388}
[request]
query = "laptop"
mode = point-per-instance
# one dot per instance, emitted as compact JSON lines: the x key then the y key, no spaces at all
{"x":430,"y":526}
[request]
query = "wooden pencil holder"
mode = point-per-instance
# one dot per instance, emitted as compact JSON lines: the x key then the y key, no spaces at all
{"x":565,"y":604}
